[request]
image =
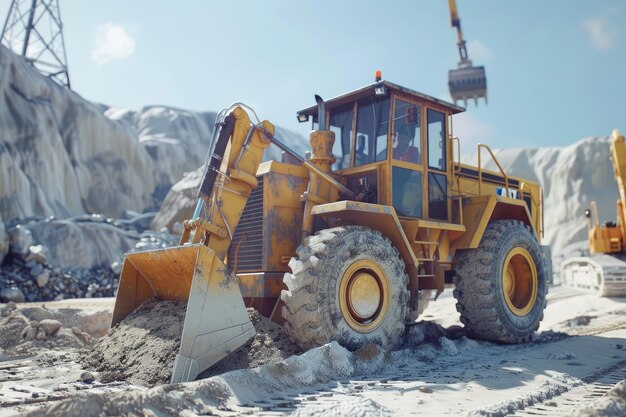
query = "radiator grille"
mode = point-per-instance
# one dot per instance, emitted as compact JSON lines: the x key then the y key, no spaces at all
{"x":249,"y":257}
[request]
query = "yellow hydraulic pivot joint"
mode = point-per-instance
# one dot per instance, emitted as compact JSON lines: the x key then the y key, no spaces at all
{"x":319,"y":191}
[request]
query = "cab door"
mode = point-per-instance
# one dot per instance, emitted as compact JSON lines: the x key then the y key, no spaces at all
{"x":437,"y":165}
{"x":407,"y":158}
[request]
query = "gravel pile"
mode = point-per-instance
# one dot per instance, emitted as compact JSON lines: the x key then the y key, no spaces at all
{"x":270,"y":344}
{"x":22,"y":281}
{"x":142,"y":348}
{"x":28,"y":272}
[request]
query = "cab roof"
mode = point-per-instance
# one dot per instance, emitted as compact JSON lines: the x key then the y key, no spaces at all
{"x":369,"y":91}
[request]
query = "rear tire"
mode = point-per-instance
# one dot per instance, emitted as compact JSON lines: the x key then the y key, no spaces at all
{"x":348,"y":284}
{"x":501,"y":285}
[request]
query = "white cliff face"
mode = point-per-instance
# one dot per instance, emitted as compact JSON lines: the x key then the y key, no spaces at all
{"x":60,"y":156}
{"x":63,"y":156}
{"x":177,"y":140}
{"x":572,"y":177}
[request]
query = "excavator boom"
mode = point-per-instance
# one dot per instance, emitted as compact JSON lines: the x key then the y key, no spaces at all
{"x":604,"y":272}
{"x":467,"y":81}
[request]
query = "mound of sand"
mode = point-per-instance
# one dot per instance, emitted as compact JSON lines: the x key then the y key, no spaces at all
{"x":269,"y":345}
{"x":142,"y":348}
{"x":267,"y":384}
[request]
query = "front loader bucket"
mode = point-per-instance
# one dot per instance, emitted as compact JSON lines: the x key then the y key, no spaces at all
{"x":467,"y":82}
{"x":216,"y":321}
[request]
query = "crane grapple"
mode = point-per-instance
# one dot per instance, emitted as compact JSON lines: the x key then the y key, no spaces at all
{"x":468,"y":82}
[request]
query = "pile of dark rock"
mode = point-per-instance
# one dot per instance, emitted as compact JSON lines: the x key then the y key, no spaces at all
{"x":30,"y":270}
{"x":24,"y":281}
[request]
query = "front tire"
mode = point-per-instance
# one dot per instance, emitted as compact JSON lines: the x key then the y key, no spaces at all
{"x":501,"y":286}
{"x":348,"y":284}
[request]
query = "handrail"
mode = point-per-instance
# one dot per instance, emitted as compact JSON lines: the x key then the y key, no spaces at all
{"x":480,"y":172}
{"x":594,"y":213}
{"x":458,"y":146}
{"x":542,"y":208}
{"x":532,"y":199}
{"x":458,"y":175}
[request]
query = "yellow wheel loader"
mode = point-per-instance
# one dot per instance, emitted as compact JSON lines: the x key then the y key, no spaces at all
{"x":349,"y":243}
{"x":604,"y":272}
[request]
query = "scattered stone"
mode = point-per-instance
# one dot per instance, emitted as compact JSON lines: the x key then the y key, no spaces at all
{"x":87,"y":377}
{"x":12,"y":294}
{"x":20,"y":241}
{"x":39,"y":254}
{"x":564,"y":355}
{"x":50,"y":327}
{"x":116,"y":267}
{"x":82,"y":336}
{"x":42,"y":279}
{"x":41,"y":335}
{"x":36,"y":270}
{"x":579,"y":321}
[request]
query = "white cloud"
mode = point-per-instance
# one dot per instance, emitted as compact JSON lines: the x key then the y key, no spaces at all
{"x":471,"y":131}
{"x":599,"y":32}
{"x":112,"y":42}
{"x":477,"y":51}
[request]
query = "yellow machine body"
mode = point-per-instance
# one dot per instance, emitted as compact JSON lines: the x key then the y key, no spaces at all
{"x":604,"y":272}
{"x":255,"y":216}
{"x":609,"y":238}
{"x":475,"y":196}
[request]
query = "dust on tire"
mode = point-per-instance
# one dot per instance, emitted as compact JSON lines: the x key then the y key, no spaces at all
{"x":479,"y":295}
{"x":312,"y":310}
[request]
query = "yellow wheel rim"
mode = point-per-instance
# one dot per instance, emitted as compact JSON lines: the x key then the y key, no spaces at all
{"x":519,"y":281}
{"x":364,"y":295}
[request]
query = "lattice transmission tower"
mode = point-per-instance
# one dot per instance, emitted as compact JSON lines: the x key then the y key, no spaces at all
{"x":33,"y":29}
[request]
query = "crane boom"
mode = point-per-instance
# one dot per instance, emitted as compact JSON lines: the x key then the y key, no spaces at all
{"x":467,"y":81}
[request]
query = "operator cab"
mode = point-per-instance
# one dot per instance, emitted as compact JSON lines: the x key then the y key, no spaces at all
{"x":391,"y":147}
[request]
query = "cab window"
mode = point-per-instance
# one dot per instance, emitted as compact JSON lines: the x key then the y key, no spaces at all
{"x":437,"y":196}
{"x":436,"y":140}
{"x":341,"y":123}
{"x":372,"y":128}
{"x":406,"y":132}
{"x":407,"y":192}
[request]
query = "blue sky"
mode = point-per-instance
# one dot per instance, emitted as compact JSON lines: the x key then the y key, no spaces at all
{"x":556,"y":69}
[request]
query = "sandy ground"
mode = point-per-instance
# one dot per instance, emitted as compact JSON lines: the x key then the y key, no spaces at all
{"x":574,"y":365}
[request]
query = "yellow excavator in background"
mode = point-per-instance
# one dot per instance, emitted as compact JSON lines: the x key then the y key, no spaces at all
{"x":467,"y":81}
{"x":604,"y":272}
{"x":344,"y":245}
